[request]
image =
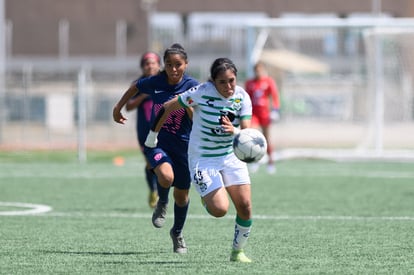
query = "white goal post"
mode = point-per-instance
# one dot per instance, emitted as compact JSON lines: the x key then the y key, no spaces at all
{"x":347,"y":84}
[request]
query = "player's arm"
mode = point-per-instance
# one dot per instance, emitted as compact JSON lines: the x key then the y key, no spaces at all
{"x":116,"y":112}
{"x":245,"y":123}
{"x":168,"y":107}
{"x":135,"y":101}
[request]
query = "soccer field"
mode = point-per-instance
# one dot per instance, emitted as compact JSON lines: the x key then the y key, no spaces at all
{"x":313,"y":216}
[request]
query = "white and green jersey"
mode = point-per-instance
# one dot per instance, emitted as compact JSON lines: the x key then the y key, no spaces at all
{"x":207,"y":138}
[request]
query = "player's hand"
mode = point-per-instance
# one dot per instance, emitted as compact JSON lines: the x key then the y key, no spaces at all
{"x":152,"y":139}
{"x":117,"y":116}
{"x":228,"y":126}
{"x":275,"y":115}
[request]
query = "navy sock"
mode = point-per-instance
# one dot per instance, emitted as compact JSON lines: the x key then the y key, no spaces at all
{"x":151,"y":179}
{"x":180,"y":215}
{"x":163,"y":194}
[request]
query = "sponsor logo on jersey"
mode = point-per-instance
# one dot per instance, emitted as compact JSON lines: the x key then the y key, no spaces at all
{"x":158,"y":156}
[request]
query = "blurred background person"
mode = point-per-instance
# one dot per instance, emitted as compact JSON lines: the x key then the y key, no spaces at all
{"x":264,"y":94}
{"x":150,"y":65}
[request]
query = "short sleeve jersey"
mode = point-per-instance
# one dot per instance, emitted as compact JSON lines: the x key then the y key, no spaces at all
{"x":208,"y":138}
{"x":178,"y":123}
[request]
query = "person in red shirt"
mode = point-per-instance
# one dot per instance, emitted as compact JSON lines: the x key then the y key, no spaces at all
{"x":264,"y":94}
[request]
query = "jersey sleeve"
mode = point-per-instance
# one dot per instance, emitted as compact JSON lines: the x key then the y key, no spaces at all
{"x":190,"y":97}
{"x":144,"y":85}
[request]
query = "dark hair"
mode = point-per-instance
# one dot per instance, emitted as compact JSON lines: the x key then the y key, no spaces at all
{"x":148,"y":55}
{"x":175,"y":49}
{"x":220,"y":65}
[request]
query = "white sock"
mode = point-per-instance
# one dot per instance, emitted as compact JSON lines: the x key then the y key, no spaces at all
{"x":241,"y":234}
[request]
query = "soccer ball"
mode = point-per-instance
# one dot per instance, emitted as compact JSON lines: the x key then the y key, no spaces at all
{"x":249,"y":145}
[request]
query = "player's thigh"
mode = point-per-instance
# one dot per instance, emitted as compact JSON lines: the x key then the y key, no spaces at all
{"x":217,"y":201}
{"x":164,"y":173}
{"x":234,"y":171}
{"x":161,"y":163}
{"x":182,"y":178}
{"x":237,"y":182}
{"x":241,"y":197}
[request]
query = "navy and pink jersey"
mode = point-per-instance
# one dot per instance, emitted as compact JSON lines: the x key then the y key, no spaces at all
{"x":178,"y":124}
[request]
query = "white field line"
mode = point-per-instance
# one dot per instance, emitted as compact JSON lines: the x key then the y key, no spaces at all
{"x":287,"y":173}
{"x":256,"y":217}
{"x":192,"y":216}
{"x":32,"y":209}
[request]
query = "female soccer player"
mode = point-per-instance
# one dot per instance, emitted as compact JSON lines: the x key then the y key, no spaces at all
{"x":261,"y":88}
{"x":220,"y":106}
{"x":170,"y":158}
{"x":150,"y":65}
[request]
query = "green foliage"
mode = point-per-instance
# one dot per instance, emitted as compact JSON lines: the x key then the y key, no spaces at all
{"x":310,"y":217}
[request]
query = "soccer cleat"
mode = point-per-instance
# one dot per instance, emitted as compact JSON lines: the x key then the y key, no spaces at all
{"x":178,"y":243}
{"x":239,"y":256}
{"x":153,"y":199}
{"x":158,"y":216}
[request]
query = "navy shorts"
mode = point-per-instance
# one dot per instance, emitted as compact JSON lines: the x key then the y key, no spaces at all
{"x":178,"y":161}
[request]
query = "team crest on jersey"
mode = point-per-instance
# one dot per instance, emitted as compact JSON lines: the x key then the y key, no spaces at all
{"x":236,"y":103}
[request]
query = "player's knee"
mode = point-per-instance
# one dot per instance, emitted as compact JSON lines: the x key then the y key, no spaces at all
{"x":165,"y":177}
{"x":218,"y":209}
{"x":217,"y":212}
{"x":165,"y":182}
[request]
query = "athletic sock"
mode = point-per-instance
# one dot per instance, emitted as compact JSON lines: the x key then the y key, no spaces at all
{"x":151,"y":180}
{"x":241,"y":233}
{"x":180,"y":215}
{"x":163,"y":194}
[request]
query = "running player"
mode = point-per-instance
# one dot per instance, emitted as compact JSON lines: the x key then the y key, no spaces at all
{"x":150,"y":65}
{"x":261,"y":88}
{"x":220,"y":107}
{"x":170,"y":158}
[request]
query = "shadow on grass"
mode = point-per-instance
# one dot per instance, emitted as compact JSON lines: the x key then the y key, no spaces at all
{"x":145,"y":261}
{"x":100,"y":253}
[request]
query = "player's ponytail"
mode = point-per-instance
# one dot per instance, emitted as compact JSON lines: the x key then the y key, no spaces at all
{"x":175,"y":48}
